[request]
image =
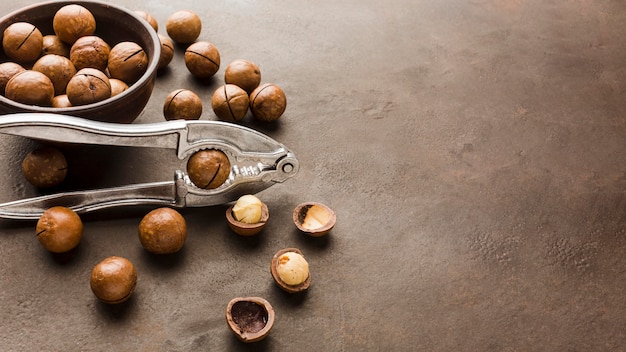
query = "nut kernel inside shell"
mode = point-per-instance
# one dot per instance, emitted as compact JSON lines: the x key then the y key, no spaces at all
{"x":285,"y":256}
{"x":268,"y":102}
{"x":127,"y":62}
{"x":315,"y":219}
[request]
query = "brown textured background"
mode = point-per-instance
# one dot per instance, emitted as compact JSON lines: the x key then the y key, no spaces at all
{"x":473,"y":152}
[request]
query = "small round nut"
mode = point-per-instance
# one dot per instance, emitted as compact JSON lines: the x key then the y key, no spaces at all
{"x":7,"y":71}
{"x":88,"y":86}
{"x":202,"y":59}
{"x":53,"y":45}
{"x":90,"y":51}
{"x":31,"y":88}
{"x":73,"y":21}
{"x":117,"y":86}
{"x":230,"y":103}
{"x":59,"y":229}
{"x":61,"y":101}
{"x":290,"y":270}
{"x":44,"y":167}
{"x":22,"y":42}
{"x":243,"y":73}
{"x":182,"y":104}
{"x":127,"y":62}
{"x":163,"y":231}
{"x":268,"y":102}
{"x":58,"y":68}
{"x":250,"y":318}
{"x":113,"y":280}
{"x":314,"y":219}
{"x":248,"y":216}
{"x":208,"y":169}
{"x":183,"y":27}
{"x":149,"y":18}
{"x":167,"y":52}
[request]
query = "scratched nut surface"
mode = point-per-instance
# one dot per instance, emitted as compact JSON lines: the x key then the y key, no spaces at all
{"x":127,"y":62}
{"x":250,"y":318}
{"x":183,"y":27}
{"x":182,"y":104}
{"x":7,"y":71}
{"x":202,"y":59}
{"x":268,"y":102}
{"x":58,"y":68}
{"x":243,"y":73}
{"x":208,"y":169}
{"x":90,"y":51}
{"x":73,"y":21}
{"x":163,"y":231}
{"x":88,"y":85}
{"x":44,"y":167}
{"x":59,"y":229}
{"x":31,"y":88}
{"x":230,"y":103}
{"x":113,"y":280}
{"x":22,"y":42}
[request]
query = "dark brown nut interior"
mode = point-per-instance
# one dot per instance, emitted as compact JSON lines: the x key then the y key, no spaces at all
{"x":149,"y":18}
{"x":127,"y":62}
{"x":53,"y":45}
{"x":61,"y":101}
{"x":268,"y":102}
{"x":208,"y":169}
{"x":230,"y":103}
{"x":183,"y":27}
{"x":274,"y":271}
{"x":182,"y":104}
{"x":202,"y":59}
{"x":59,"y":229}
{"x":250,"y":318}
{"x":167,"y":52}
{"x":90,"y":51}
{"x":117,"y":86}
{"x":72,"y":22}
{"x":31,"y":88}
{"x":243,"y":73}
{"x":163,"y":231}
{"x":44,"y":167}
{"x":113,"y":280}
{"x":22,"y":42}
{"x":58,"y":68}
{"x":314,"y":219}
{"x":7,"y":71}
{"x":88,"y":86}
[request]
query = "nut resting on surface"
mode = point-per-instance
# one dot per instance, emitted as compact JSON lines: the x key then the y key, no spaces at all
{"x":22,"y":42}
{"x":44,"y":167}
{"x":290,"y":270}
{"x":268,"y":102}
{"x":183,"y":27}
{"x":163,"y":231}
{"x":72,"y":22}
{"x":247,"y":216}
{"x":59,"y":229}
{"x":208,"y":169}
{"x":113,"y":280}
{"x":88,"y":85}
{"x":314,"y":219}
{"x":31,"y":88}
{"x":250,"y":318}
{"x":244,"y":74}
{"x":202,"y":59}
{"x":182,"y":104}
{"x":230,"y":103}
{"x":167,"y":51}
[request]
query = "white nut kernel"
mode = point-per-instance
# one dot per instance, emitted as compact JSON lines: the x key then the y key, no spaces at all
{"x":292,"y":268}
{"x":247,"y":209}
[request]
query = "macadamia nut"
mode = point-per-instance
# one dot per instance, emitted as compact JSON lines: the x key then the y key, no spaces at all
{"x":292,"y":268}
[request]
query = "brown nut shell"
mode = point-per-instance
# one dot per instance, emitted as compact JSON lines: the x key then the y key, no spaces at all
{"x":61,"y":101}
{"x":208,"y":169}
{"x":167,"y":52}
{"x":250,"y":318}
{"x":59,"y":229}
{"x":182,"y":104}
{"x":314,"y":219}
{"x":58,"y":68}
{"x":245,"y":229}
{"x":117,"y":86}
{"x":44,"y":167}
{"x":163,"y":231}
{"x":7,"y":71}
{"x":273,"y":270}
{"x":113,"y":280}
{"x":52,"y":44}
{"x":243,"y":73}
{"x":149,"y":18}
{"x":183,"y":27}
{"x":88,"y":85}
{"x":73,"y":21}
{"x":31,"y":88}
{"x":268,"y":102}
{"x":22,"y":42}
{"x":90,"y":51}
{"x":230,"y":103}
{"x":127,"y":62}
{"x":202,"y":59}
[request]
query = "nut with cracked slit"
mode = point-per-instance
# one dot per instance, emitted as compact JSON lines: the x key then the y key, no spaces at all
{"x":250,"y":318}
{"x":202,"y":59}
{"x":127,"y":62}
{"x":22,"y":42}
{"x":90,"y":51}
{"x":88,"y":85}
{"x":268,"y":102}
{"x":208,"y":169}
{"x":59,"y":229}
{"x":7,"y":71}
{"x":182,"y":104}
{"x":113,"y":280}
{"x":230,"y":103}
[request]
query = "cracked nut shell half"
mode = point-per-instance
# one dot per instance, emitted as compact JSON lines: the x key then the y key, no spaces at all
{"x":250,"y":318}
{"x":314,"y":219}
{"x":274,"y":271}
{"x":245,"y":229}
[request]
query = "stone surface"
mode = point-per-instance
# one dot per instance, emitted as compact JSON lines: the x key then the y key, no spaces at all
{"x":472,"y":150}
